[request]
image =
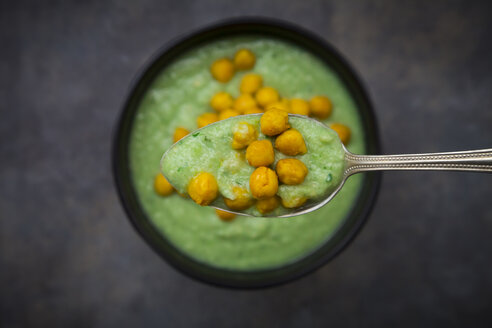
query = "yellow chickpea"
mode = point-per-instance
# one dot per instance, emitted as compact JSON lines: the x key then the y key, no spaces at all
{"x":244,"y":102}
{"x":253,"y":110}
{"x":243,"y":134}
{"x":263,"y":183}
{"x":291,"y":143}
{"x":268,"y":204}
{"x":203,"y":188}
{"x":321,"y":107}
{"x":221,"y":101}
{"x":161,"y":186}
{"x":274,"y":121}
{"x":291,"y":171}
{"x":244,"y":59}
{"x":225,"y":216}
{"x":266,"y":96}
{"x":251,"y":83}
{"x":294,"y":202}
{"x":343,"y":132}
{"x":180,"y":133}
{"x":228,"y":113}
{"x":260,"y":153}
{"x":242,"y":201}
{"x":299,"y":106}
{"x":206,"y":119}
{"x":222,"y":70}
{"x":282,"y":104}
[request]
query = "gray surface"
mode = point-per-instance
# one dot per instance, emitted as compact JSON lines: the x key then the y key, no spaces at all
{"x":69,"y":257}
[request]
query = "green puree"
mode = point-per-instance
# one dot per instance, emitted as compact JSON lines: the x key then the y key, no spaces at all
{"x":209,"y":150}
{"x":180,"y":94}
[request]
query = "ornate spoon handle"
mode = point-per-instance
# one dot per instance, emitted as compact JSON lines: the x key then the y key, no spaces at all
{"x":471,"y":160}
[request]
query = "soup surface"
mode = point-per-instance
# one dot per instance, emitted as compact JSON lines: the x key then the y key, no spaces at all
{"x":182,"y":92}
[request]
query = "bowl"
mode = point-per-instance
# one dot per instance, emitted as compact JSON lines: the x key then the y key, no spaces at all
{"x":120,"y":154}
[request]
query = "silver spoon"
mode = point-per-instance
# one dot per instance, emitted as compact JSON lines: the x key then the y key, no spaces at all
{"x":470,"y":160}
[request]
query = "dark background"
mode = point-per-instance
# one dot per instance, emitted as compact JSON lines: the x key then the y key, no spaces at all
{"x":70,"y":258}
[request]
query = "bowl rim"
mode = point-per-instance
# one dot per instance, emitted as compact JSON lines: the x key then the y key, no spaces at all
{"x":135,"y":213}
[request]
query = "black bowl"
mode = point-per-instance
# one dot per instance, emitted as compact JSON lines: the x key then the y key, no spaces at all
{"x":222,"y":277}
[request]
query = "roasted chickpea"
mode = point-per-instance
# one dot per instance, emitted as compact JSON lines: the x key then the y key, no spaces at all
{"x":253,"y":110}
{"x":225,"y":216}
{"x":260,"y":153}
{"x":343,"y":132}
{"x":263,"y":183}
{"x":242,"y":201}
{"x":281,"y":104}
{"x":243,"y":134}
{"x":299,"y":106}
{"x":203,"y":188}
{"x":291,"y":143}
{"x":251,"y":83}
{"x":206,"y":119}
{"x":266,"y":96}
{"x":180,"y":133}
{"x":222,"y":70}
{"x":162,"y":186}
{"x":244,"y":102}
{"x":268,"y":204}
{"x":274,"y":121}
{"x":244,"y":59}
{"x":321,"y":107}
{"x":221,"y":101}
{"x":228,"y":113}
{"x":294,"y":202}
{"x":291,"y":171}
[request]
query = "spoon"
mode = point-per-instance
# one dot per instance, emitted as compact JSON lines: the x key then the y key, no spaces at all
{"x":471,"y":160}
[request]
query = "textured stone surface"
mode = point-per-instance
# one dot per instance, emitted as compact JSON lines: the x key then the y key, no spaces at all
{"x":69,"y":257}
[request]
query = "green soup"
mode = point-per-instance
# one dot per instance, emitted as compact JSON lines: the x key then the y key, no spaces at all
{"x":209,"y":150}
{"x":180,"y":94}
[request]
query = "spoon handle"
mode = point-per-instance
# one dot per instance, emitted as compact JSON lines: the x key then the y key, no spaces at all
{"x":471,"y":160}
